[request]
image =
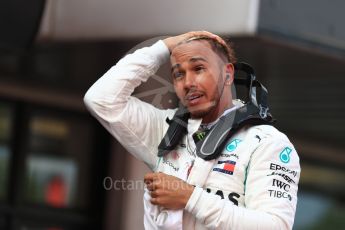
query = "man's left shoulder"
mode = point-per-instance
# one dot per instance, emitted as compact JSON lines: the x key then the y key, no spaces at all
{"x":272,"y":141}
{"x":267,"y":132}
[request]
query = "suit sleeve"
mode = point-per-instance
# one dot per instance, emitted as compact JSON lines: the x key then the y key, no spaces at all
{"x":137,"y":125}
{"x":270,"y":192}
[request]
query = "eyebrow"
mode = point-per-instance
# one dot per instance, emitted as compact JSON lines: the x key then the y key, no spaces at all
{"x":193,"y":59}
{"x":176,"y":66}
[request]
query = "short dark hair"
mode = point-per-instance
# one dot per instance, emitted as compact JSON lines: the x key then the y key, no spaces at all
{"x":225,"y":51}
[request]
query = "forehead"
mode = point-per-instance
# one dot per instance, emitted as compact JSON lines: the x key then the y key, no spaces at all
{"x":187,"y":51}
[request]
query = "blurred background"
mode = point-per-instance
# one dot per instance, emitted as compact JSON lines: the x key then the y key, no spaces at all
{"x":58,"y":165}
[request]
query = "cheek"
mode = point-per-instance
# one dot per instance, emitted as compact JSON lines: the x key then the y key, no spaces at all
{"x":207,"y":78}
{"x":179,"y":90}
{"x":208,"y":83}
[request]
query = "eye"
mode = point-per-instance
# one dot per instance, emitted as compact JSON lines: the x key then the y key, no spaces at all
{"x":178,"y":74}
{"x":199,"y":68}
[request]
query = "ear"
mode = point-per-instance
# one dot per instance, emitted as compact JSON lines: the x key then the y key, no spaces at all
{"x":229,"y":73}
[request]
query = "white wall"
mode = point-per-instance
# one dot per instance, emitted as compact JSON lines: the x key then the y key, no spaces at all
{"x":108,"y":19}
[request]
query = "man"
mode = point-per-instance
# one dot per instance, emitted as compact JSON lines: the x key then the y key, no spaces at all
{"x":252,"y":184}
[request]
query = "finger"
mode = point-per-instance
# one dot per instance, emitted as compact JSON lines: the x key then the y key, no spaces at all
{"x":150,"y":187}
{"x":216,"y":38}
{"x":208,"y":34}
{"x":204,"y":33}
{"x":153,"y":194}
{"x":156,"y":184}
{"x":149,"y":177}
{"x":147,"y":181}
{"x":154,"y":201}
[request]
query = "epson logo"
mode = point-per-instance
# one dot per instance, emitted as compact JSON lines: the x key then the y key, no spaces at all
{"x":282,"y":168}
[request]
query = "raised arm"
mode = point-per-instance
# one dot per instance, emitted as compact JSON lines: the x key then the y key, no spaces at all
{"x":137,"y":125}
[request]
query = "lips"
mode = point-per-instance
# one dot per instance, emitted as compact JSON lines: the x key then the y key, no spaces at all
{"x":193,"y":98}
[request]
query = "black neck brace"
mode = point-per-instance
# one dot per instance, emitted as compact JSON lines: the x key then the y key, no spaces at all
{"x":253,"y":112}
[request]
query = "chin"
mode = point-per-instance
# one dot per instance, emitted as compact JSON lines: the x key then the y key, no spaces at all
{"x":200,"y":112}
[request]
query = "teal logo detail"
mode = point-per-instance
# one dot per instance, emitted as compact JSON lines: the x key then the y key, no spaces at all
{"x":285,"y":155}
{"x":233,"y":145}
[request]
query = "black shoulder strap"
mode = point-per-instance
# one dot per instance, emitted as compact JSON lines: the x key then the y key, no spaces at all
{"x":177,"y":129}
{"x":214,"y":142}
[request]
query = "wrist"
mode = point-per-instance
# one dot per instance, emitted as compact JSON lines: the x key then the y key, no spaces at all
{"x":187,"y":194}
{"x":169,"y":42}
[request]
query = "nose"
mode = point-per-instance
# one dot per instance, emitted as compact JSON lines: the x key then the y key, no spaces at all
{"x":189,"y":81}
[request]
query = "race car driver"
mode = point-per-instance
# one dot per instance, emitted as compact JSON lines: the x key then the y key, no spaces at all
{"x":252,"y":184}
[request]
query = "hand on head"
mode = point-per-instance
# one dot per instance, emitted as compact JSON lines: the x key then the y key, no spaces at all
{"x":172,"y":42}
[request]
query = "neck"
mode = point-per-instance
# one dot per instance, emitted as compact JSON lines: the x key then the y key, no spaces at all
{"x":216,"y":112}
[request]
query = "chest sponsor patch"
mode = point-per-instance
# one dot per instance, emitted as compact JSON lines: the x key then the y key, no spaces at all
{"x":285,"y":155}
{"x":170,"y":164}
{"x":227,"y":167}
{"x":233,"y":145}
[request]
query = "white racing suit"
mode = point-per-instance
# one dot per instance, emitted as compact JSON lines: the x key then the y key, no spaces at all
{"x":251,"y":185}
